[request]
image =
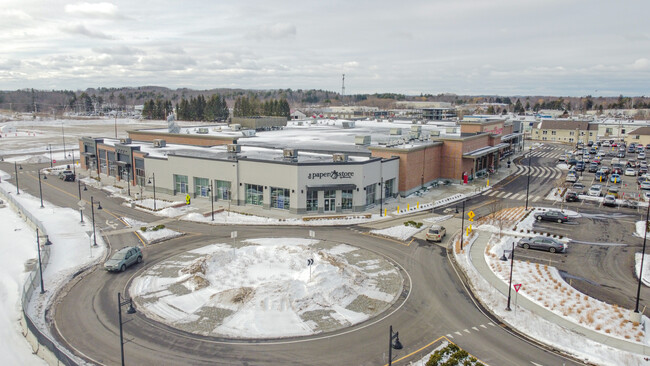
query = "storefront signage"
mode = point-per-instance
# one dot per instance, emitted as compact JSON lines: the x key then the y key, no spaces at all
{"x":123,"y":151}
{"x":333,"y":175}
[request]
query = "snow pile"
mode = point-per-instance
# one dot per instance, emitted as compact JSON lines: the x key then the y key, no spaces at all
{"x":646,"y":268}
{"x":227,"y":217}
{"x":264,"y":288}
{"x":152,"y":234}
{"x":641,"y":230}
{"x":400,"y":232}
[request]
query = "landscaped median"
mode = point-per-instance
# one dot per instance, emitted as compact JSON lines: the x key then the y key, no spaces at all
{"x":549,"y":310}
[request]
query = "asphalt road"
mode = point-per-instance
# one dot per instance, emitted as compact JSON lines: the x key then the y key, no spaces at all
{"x":434,"y":304}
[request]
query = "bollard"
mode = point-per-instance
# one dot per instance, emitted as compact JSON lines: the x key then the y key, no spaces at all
{"x":408,"y":207}
{"x":417,"y":205}
{"x":385,"y":212}
{"x":398,"y":209}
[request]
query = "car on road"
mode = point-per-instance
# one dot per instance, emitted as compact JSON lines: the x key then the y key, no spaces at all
{"x":67,"y":176}
{"x":571,"y":196}
{"x":630,"y":172}
{"x":609,"y":200}
{"x":436,"y":233}
{"x":597,"y":190}
{"x":615,"y":178}
{"x":551,"y":215}
{"x":542,"y":243}
{"x":123,"y":258}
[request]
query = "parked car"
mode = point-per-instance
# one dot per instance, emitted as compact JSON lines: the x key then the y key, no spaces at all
{"x":572,"y":161}
{"x":572,"y":177}
{"x":592,"y":151}
{"x":436,"y":233}
{"x":123,"y":258}
{"x":630,"y":172}
{"x":578,"y":188}
{"x":600,"y":176}
{"x":580,"y":166}
{"x":645,"y":184}
{"x":67,"y":176}
{"x":63,"y":173}
{"x":609,"y":200}
{"x":643,"y":169}
{"x":620,"y":154}
{"x":630,"y":149}
{"x":571,"y":196}
{"x":613,"y":190}
{"x":551,"y":215}
{"x":641,"y":156}
{"x":597,"y":190}
{"x":542,"y":243}
{"x":615,"y":178}
{"x":593,"y":167}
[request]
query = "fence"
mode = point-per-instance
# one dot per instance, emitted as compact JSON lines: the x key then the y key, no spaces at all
{"x":33,"y":281}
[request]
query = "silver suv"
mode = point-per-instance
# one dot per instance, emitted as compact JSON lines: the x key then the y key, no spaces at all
{"x":123,"y":258}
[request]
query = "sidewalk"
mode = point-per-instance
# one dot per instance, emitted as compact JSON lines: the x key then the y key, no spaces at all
{"x":477,"y":258}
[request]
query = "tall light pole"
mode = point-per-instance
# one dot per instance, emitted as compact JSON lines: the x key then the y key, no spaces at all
{"x":128,"y":177}
{"x":528,"y":179}
{"x":40,"y":188}
{"x":40,"y":265}
{"x":81,"y":214}
{"x":63,"y":136}
{"x":393,"y":343}
{"x":50,"y":148}
{"x":16,"y":175}
{"x":381,"y":197}
{"x":638,"y":289}
{"x":211,"y":189}
{"x":153,"y":175}
{"x":130,"y":310}
{"x":512,"y":261}
{"x":92,"y":210}
{"x":462,"y":227}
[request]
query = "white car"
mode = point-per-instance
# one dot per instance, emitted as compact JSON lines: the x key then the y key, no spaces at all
{"x":596,"y":190}
{"x":630,"y":172}
{"x":641,"y":156}
{"x":645,"y":185}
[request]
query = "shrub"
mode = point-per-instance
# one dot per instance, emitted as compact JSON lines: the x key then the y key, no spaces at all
{"x":143,"y":228}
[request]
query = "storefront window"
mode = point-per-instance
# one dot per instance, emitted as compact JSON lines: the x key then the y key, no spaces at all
{"x":388,"y":188}
{"x":312,"y":200}
{"x":223,"y":190}
{"x":254,"y":194}
{"x":112,"y":167}
{"x":370,"y":194}
{"x":139,"y":172}
{"x":102,"y":161}
{"x":201,"y":186}
{"x":180,"y":183}
{"x":280,"y":198}
{"x":346,"y":199}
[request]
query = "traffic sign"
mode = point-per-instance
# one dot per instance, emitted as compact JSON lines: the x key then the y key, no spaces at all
{"x":517,"y":286}
{"x":187,"y":199}
{"x":233,"y":234}
{"x":81,"y":204}
{"x":471,"y":215}
{"x":310,"y":262}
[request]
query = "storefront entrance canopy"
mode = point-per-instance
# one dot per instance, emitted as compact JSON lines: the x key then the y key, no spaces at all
{"x":510,"y":136}
{"x":325,"y":187}
{"x":484,"y":151}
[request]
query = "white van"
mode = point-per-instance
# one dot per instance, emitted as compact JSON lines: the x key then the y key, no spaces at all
{"x":436,"y":233}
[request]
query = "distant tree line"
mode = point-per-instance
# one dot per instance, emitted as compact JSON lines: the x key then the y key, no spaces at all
{"x":251,"y":107}
{"x":198,"y":109}
{"x":158,"y":109}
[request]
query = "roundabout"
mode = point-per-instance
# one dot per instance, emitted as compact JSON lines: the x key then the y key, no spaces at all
{"x":267,"y":288}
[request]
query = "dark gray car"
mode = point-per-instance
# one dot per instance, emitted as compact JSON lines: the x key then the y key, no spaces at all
{"x":543,"y":243}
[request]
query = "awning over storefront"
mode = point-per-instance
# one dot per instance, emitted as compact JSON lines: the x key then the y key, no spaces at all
{"x":88,"y":154}
{"x":510,"y":136}
{"x":484,"y":151}
{"x":325,"y":187}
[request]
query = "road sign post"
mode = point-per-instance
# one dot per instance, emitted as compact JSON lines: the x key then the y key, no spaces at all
{"x":517,"y":287}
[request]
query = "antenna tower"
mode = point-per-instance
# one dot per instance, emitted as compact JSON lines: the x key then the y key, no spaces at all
{"x":343,"y":87}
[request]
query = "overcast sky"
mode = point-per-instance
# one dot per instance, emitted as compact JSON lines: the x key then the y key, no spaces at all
{"x":506,"y":47}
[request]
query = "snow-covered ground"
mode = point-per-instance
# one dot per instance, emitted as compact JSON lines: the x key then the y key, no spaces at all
{"x":151,"y":234}
{"x":399,"y":232}
{"x":264,"y":288}
{"x":71,"y":250}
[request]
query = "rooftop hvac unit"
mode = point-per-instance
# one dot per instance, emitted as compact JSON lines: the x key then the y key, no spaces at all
{"x":290,"y":153}
{"x":159,"y":143}
{"x":234,"y":148}
{"x":395,"y":131}
{"x":340,"y":158}
{"x":125,"y":141}
{"x":235,"y":127}
{"x":348,"y":124}
{"x":362,"y":140}
{"x":202,"y":130}
{"x":417,"y":129}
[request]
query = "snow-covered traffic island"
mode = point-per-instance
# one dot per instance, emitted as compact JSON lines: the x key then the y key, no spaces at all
{"x":268,"y":288}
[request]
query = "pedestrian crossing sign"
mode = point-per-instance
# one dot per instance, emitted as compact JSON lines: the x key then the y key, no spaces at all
{"x":471,"y":215}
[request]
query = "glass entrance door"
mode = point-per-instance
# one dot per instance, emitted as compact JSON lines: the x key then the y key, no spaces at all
{"x":329,"y":203}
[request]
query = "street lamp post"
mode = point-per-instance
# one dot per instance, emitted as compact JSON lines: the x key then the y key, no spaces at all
{"x":81,"y":214}
{"x":16,"y":175}
{"x":63,"y":138}
{"x":40,"y":188}
{"x":512,"y":261}
{"x":211,"y":191}
{"x":130,"y":310}
{"x":528,"y":179}
{"x":381,"y":197}
{"x":50,"y":148}
{"x":462,"y":226}
{"x":638,"y":289}
{"x":40,"y":266}
{"x":153,"y":175}
{"x":92,"y":210}
{"x":128,"y":177}
{"x":393,"y":343}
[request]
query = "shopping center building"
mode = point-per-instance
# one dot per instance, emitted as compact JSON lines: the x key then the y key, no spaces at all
{"x":311,"y":167}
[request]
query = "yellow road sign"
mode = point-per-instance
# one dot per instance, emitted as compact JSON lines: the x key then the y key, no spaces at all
{"x":471,"y":215}
{"x":187,"y":199}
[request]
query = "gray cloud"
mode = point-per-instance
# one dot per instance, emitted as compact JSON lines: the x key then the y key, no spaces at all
{"x":94,"y":10}
{"x":273,"y":31}
{"x":8,"y":64}
{"x":118,"y":50}
{"x":82,"y":30}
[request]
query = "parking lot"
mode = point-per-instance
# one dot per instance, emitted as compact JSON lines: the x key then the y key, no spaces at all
{"x":626,"y":188}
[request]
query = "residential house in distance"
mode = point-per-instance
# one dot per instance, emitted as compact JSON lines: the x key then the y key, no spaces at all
{"x":640,"y":135}
{"x":567,"y":131}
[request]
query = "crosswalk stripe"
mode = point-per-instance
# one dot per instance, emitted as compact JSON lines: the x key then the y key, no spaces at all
{"x":459,"y":333}
{"x":493,"y":193}
{"x":467,"y":331}
{"x":475,"y":328}
{"x":483,"y":326}
{"x":500,"y":194}
{"x":537,"y":198}
{"x":507,"y":195}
